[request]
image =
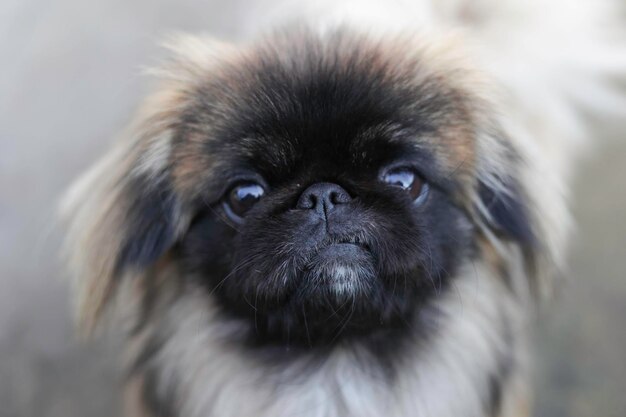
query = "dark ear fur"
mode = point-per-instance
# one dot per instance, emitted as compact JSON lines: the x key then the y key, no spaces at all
{"x":120,"y":223}
{"x":149,"y":229}
{"x":123,"y":214}
{"x":507,"y":212}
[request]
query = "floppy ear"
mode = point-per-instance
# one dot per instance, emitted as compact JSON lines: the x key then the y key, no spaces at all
{"x":124,"y":214}
{"x":500,"y":197}
{"x":505,"y":210}
{"x":519,"y":210}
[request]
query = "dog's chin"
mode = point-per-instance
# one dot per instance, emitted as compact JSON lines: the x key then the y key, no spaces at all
{"x":338,"y":295}
{"x":338,"y":273}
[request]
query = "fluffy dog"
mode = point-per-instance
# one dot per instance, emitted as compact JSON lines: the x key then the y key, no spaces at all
{"x":350,"y":217}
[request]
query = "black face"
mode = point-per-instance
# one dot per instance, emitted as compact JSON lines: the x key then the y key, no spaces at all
{"x":332,"y":220}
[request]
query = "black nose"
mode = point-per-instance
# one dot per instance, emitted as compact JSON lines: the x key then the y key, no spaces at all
{"x":323,"y":197}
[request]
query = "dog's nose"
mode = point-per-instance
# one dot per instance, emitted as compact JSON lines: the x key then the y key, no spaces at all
{"x":323,"y":197}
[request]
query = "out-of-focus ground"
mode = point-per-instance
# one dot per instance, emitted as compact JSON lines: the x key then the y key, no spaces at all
{"x":69,"y":79}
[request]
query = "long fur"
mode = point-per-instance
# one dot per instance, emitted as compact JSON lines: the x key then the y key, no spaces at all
{"x":533,"y":68}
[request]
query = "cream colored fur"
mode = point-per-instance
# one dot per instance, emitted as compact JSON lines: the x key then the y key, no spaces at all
{"x":539,"y":65}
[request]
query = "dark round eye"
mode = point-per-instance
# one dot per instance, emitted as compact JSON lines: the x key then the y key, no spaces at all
{"x":241,"y":198}
{"x":408,"y":180}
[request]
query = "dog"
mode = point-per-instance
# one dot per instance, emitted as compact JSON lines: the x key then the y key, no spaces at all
{"x":355,"y":214}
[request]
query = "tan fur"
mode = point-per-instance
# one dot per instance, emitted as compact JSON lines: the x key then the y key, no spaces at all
{"x":146,"y":147}
{"x":201,"y":358}
{"x":492,"y":115}
{"x":467,"y":147}
{"x":133,"y":403}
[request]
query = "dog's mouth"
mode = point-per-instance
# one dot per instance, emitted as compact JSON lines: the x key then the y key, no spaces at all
{"x":341,"y":267}
{"x":344,"y":249}
{"x":354,"y":241}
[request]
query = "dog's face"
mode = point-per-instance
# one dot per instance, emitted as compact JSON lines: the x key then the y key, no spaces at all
{"x":315,"y":189}
{"x":331,"y":212}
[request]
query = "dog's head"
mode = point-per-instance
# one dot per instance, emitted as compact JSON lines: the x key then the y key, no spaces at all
{"x":310,"y":186}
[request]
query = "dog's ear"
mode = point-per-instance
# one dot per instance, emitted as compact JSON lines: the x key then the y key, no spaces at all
{"x":499,"y":197}
{"x":124,"y":214}
{"x":507,"y":220}
{"x":506,"y":211}
{"x":507,"y":197}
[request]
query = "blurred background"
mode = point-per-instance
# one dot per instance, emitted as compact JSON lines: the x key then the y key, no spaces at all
{"x":69,"y":80}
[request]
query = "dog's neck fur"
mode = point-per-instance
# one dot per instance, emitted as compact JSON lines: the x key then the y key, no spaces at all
{"x":471,"y":366}
{"x":474,"y":364}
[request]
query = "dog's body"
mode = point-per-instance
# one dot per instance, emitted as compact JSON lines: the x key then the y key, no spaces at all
{"x":341,"y":295}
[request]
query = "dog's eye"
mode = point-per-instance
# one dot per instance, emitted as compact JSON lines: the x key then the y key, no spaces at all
{"x":241,"y":198}
{"x":408,"y":180}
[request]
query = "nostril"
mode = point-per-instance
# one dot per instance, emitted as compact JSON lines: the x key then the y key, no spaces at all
{"x":311,"y":201}
{"x":307,"y":201}
{"x":341,"y":197}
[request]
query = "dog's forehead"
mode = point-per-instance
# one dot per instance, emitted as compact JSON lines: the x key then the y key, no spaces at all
{"x":335,"y":104}
{"x":321,"y":114}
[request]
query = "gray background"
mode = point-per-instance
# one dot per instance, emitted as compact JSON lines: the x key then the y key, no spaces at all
{"x":70,"y":78}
